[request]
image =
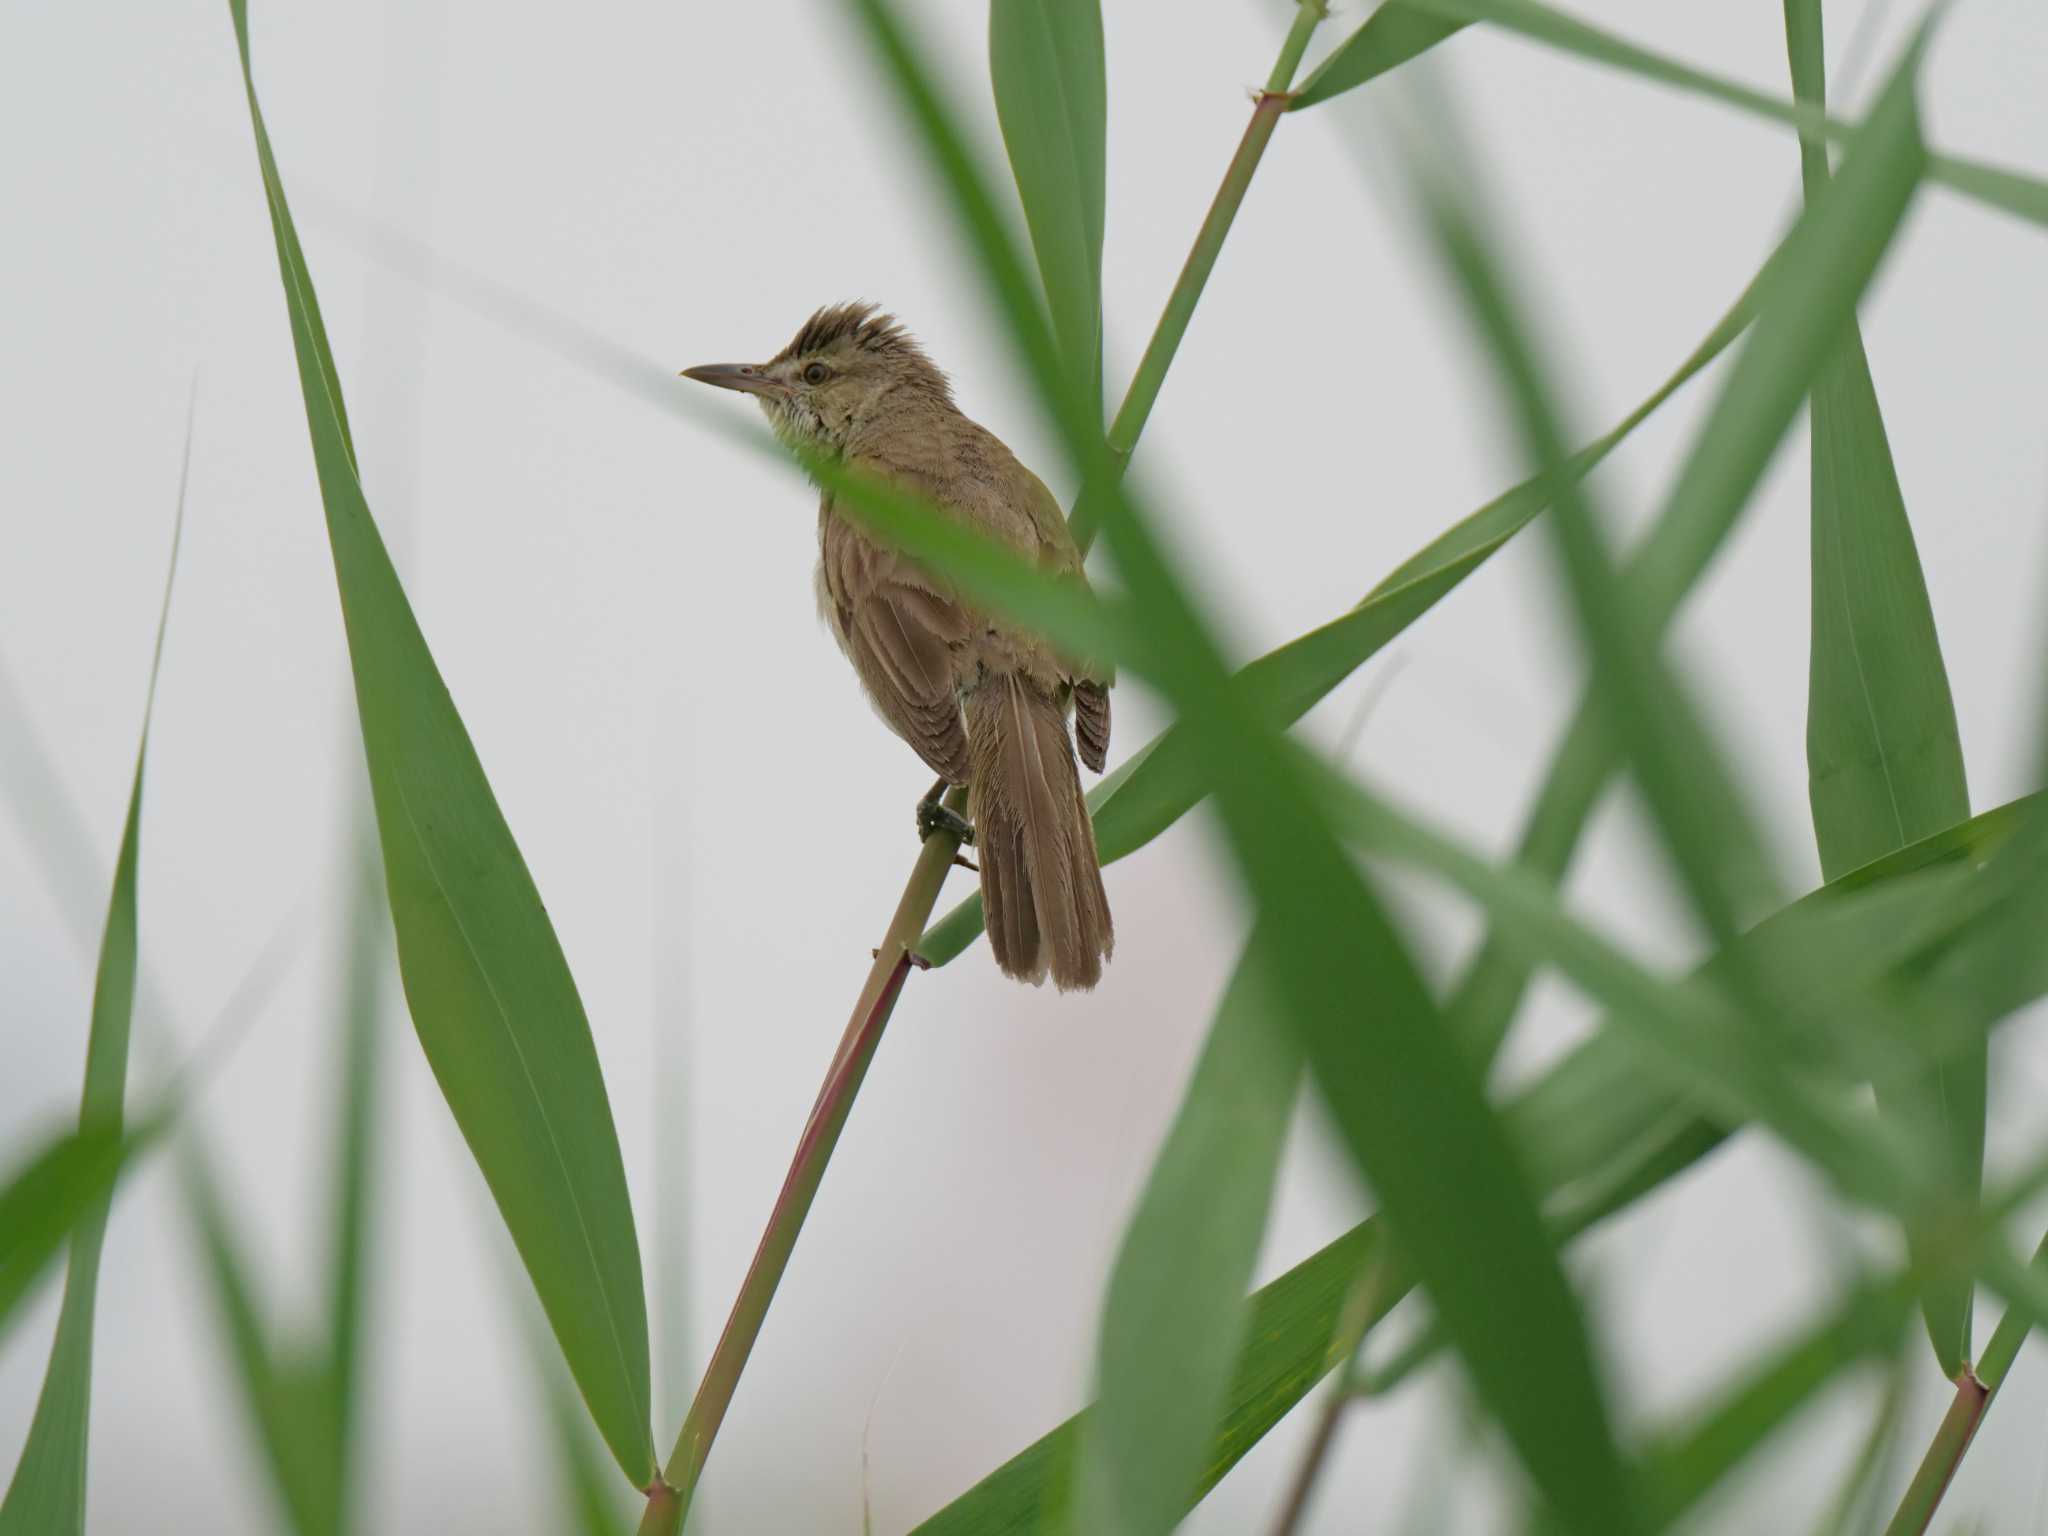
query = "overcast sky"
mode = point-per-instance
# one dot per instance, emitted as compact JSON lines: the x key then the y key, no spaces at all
{"x":621,"y":604}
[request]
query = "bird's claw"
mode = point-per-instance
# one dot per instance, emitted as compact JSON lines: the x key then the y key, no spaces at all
{"x":934,"y":817}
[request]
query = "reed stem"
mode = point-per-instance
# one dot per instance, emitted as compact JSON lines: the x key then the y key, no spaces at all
{"x":1974,"y":1391}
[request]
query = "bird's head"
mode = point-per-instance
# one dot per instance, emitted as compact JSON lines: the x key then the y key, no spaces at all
{"x":848,"y":366}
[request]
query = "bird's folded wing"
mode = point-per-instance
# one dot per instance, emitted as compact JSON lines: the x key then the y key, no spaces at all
{"x":902,"y":637}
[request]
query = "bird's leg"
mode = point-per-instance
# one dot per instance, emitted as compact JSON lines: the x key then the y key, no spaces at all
{"x":934,"y":817}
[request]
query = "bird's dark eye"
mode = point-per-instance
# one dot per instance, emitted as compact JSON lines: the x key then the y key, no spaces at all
{"x":816,"y":373}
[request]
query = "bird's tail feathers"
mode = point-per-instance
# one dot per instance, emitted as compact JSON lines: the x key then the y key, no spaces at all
{"x":1041,"y":882}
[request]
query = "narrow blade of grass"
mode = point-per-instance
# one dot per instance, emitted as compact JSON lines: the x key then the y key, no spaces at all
{"x":360,"y":1111}
{"x":1682,"y":1468}
{"x":2023,"y":196}
{"x":45,"y":1198}
{"x":1176,"y":1310}
{"x":46,"y":1496}
{"x":492,"y":1000}
{"x":1045,"y":57}
{"x":285,"y":1403}
{"x":1293,"y":1324}
{"x":1685,"y":1028}
{"x":588,"y":1492}
{"x":1884,"y":757}
{"x":1392,"y":35}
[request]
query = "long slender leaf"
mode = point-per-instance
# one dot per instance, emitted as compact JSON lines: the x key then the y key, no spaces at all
{"x":1884,"y":756}
{"x":1406,"y":1102}
{"x":588,"y":1493}
{"x":45,"y":1198}
{"x":1674,"y":758}
{"x":285,"y":1402}
{"x":46,"y":1496}
{"x":1045,"y":57}
{"x":1293,"y":1325}
{"x":1176,"y":1310}
{"x":298,"y":1393}
{"x":1685,"y":1026}
{"x":1867,"y":1324}
{"x":492,"y":999}
{"x":1392,"y":35}
{"x":357,"y":1165}
{"x":2024,"y":196}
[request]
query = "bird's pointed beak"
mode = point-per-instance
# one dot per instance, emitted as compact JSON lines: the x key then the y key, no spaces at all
{"x":748,"y":378}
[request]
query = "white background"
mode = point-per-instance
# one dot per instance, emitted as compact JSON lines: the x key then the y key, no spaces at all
{"x":621,"y":605}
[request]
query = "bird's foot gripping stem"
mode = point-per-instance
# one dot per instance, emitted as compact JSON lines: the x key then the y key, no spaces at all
{"x":932,"y":817}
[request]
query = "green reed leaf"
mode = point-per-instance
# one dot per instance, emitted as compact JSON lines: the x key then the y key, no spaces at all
{"x":1683,"y":1466}
{"x":2023,"y":196}
{"x":1884,"y":757}
{"x":284,"y":1398}
{"x":1392,"y":35}
{"x":45,"y":1198}
{"x":492,"y":1000}
{"x":1293,"y":1325}
{"x":1045,"y":57}
{"x":1685,"y":1029}
{"x":46,"y":1496}
{"x":360,"y":1113}
{"x":588,"y":1493}
{"x":1675,"y":760}
{"x":1176,"y":1309}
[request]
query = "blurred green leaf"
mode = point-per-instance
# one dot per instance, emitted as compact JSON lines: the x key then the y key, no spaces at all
{"x":286,"y":1403}
{"x":590,"y":1495}
{"x":491,"y":995}
{"x":1158,"y":785}
{"x":589,"y":1491}
{"x":1884,"y":757}
{"x":1915,"y":912}
{"x":299,"y":1393}
{"x":45,"y":1198}
{"x":1045,"y":57}
{"x":1683,"y":1027}
{"x":1288,"y":1349}
{"x":1675,"y":760}
{"x":1392,"y":35}
{"x":1866,"y":1325}
{"x":1176,"y":1310}
{"x":358,"y":1136}
{"x":46,"y":1496}
{"x":1855,"y":1504}
{"x":2024,"y":196}
{"x":1407,"y":1104}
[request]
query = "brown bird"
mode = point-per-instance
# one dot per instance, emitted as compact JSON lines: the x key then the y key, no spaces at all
{"x":982,"y":701}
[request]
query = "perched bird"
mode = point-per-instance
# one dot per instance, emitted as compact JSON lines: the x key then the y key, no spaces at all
{"x":983,"y":702}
